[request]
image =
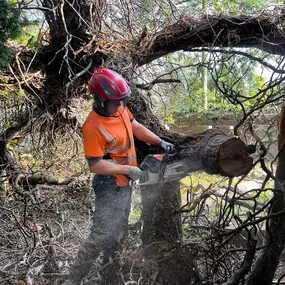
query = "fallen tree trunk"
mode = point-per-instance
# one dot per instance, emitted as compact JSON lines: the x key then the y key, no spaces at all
{"x":215,"y":153}
{"x":212,"y":152}
{"x":262,"y":30}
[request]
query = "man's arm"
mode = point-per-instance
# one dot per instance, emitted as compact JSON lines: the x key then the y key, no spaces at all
{"x":144,"y":134}
{"x":104,"y":167}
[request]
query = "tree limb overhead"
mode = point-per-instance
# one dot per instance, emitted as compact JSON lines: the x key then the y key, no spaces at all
{"x":264,"y":31}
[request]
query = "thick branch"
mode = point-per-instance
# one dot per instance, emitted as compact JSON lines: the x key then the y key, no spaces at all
{"x":263,"y":31}
{"x":43,"y":179}
{"x":215,"y":153}
{"x":6,"y":160}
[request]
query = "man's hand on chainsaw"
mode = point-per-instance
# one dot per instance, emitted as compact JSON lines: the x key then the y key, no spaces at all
{"x":135,"y":173}
{"x":168,"y":147}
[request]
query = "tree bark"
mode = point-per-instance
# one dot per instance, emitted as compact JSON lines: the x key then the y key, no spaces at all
{"x":267,"y":262}
{"x":215,"y":153}
{"x":166,"y":261}
{"x":262,"y":31}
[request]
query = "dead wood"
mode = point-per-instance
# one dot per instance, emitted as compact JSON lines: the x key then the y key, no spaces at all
{"x":43,"y":179}
{"x":247,"y":262}
{"x":215,"y":153}
{"x":263,"y":30}
{"x":267,"y":262}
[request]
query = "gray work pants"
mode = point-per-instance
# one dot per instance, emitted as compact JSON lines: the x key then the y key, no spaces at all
{"x":110,"y":225}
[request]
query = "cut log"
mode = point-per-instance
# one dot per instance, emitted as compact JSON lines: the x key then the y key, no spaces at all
{"x":215,"y":153}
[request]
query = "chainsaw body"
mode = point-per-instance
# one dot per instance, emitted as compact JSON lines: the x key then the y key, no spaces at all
{"x":157,"y":169}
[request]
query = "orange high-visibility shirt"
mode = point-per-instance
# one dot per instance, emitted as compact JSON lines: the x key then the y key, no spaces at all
{"x":113,"y":135}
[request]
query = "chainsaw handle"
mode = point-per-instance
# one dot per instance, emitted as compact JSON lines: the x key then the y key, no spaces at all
{"x":168,"y":149}
{"x":165,"y":160}
{"x":167,"y":146}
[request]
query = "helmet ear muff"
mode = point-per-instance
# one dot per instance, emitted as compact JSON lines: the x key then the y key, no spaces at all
{"x":100,"y":106}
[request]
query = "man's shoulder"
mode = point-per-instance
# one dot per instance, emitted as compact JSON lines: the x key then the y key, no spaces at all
{"x":91,"y":123}
{"x":92,"y":120}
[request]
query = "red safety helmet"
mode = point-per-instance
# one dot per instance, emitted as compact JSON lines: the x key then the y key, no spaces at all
{"x":108,"y":87}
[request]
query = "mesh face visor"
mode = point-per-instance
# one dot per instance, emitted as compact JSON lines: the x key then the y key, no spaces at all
{"x":113,"y":106}
{"x":118,"y":102}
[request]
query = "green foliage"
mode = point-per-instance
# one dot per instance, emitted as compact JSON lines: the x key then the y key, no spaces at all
{"x":241,"y":6}
{"x":11,"y":20}
{"x":13,"y":25}
{"x":232,"y":84}
{"x":29,"y":36}
{"x":6,"y":55}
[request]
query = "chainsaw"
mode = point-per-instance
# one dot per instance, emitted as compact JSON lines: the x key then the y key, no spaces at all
{"x":160,"y":168}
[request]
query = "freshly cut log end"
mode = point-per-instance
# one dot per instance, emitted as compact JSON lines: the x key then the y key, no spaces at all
{"x":215,"y":153}
{"x":234,"y":159}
